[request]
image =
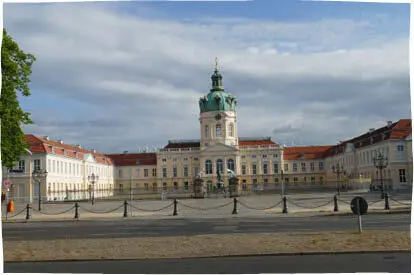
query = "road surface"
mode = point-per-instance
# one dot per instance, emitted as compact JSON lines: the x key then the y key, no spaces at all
{"x":186,"y":226}
{"x":339,"y":263}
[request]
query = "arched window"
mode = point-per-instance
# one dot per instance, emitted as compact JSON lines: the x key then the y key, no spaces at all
{"x":206,"y":131}
{"x":219,"y":165}
{"x":230,"y":164}
{"x":231,"y":130}
{"x":209,"y":167}
{"x":218,"y":130}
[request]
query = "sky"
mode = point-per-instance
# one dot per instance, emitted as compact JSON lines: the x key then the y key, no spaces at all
{"x":122,"y":76}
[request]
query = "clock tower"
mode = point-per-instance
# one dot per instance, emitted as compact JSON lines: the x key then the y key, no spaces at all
{"x":218,"y":115}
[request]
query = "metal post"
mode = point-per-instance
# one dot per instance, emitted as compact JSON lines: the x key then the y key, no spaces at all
{"x":27,"y":212}
{"x":40,"y":197}
{"x":382,"y":184}
{"x":283,"y":184}
{"x":285,"y":209}
{"x":125,"y":209}
{"x":387,"y":202}
{"x":76,"y":210}
{"x":335,"y":203}
{"x":235,"y":206}
{"x":93,"y":192}
{"x":359,"y":217}
{"x":175,"y":213}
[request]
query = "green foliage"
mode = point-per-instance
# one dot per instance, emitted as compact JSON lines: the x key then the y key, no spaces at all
{"x":15,"y":70}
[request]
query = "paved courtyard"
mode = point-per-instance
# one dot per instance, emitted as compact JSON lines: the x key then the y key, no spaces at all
{"x":252,"y":205}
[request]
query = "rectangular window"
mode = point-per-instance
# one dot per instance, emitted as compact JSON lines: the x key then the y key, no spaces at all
{"x":312,"y":166}
{"x":137,"y":172}
{"x":146,"y":186}
{"x":164,"y":186}
{"x":312,"y":180}
{"x":265,"y":168}
{"x":120,"y":173}
{"x":295,"y":180}
{"x":174,"y":172}
{"x":303,"y":166}
{"x":154,"y":172}
{"x":400,"y":148}
{"x":254,"y":182}
{"x":402,"y":175}
{"x":286,"y":167}
{"x":265,"y":182}
{"x":264,"y":156}
{"x":164,"y":172}
{"x":186,"y":185}
{"x":243,"y":168}
{"x":145,"y":173}
{"x":321,"y":165}
{"x":254,"y":169}
{"x":295,"y":167}
{"x":275,"y":156}
{"x":36,"y":164}
{"x":196,"y":171}
{"x":185,"y":171}
{"x":22,"y":165}
{"x":275,"y":168}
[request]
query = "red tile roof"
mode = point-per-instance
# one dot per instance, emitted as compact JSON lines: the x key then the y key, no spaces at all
{"x":134,"y":159}
{"x":402,"y":129}
{"x":42,"y":145}
{"x":305,"y":152}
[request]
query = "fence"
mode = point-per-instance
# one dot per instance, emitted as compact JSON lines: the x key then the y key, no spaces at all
{"x":237,"y":203}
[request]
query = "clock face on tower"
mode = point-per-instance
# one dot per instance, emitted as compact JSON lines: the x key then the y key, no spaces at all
{"x":218,"y":117}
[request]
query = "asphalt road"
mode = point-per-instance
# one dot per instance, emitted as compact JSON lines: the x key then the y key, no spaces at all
{"x":331,"y":263}
{"x":196,"y":226}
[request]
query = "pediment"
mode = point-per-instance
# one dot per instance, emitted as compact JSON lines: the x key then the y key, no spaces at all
{"x":219,"y":147}
{"x":89,"y":158}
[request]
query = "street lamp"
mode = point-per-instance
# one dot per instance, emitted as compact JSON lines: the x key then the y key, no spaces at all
{"x":283,"y":184}
{"x":30,"y":175}
{"x":337,"y":170}
{"x":381,"y":162}
{"x":39,"y":175}
{"x":93,"y":179}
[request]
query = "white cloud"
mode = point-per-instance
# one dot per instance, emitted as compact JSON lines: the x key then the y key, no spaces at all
{"x":314,"y":76}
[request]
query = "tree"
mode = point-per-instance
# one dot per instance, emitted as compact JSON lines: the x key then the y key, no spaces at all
{"x":16,"y":67}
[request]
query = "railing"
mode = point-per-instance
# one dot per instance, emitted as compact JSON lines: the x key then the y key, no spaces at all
{"x":126,"y":209}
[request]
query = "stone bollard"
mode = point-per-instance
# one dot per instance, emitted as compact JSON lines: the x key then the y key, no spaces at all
{"x":76,"y":211}
{"x":28,"y":212}
{"x":125,"y":209}
{"x":175,"y":213}
{"x":285,"y":209}
{"x":235,"y":207}
{"x":335,"y":203}
{"x":387,"y":202}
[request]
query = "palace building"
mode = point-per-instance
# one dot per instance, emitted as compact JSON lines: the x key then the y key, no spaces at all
{"x":257,"y":161}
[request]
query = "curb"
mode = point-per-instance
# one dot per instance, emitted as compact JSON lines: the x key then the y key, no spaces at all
{"x":230,"y":256}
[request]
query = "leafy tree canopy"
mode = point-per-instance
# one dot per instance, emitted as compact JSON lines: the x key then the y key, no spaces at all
{"x":16,"y":67}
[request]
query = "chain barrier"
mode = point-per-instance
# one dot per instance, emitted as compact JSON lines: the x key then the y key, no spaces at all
{"x":24,"y":209}
{"x":204,"y":209}
{"x":52,"y":214}
{"x":98,"y":211}
{"x":310,"y":207}
{"x":400,"y":202}
{"x":374,"y":202}
{"x":151,"y":210}
{"x":255,"y":208}
{"x":345,"y":202}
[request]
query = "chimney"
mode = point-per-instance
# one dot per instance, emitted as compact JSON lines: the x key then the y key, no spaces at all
{"x":389,"y":123}
{"x":46,"y":137}
{"x":60,"y":141}
{"x":93,"y":150}
{"x":79,"y":146}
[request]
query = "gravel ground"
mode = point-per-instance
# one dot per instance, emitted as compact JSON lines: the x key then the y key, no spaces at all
{"x":204,"y":245}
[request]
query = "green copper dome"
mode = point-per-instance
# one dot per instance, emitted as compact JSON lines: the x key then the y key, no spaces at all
{"x":217,"y":99}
